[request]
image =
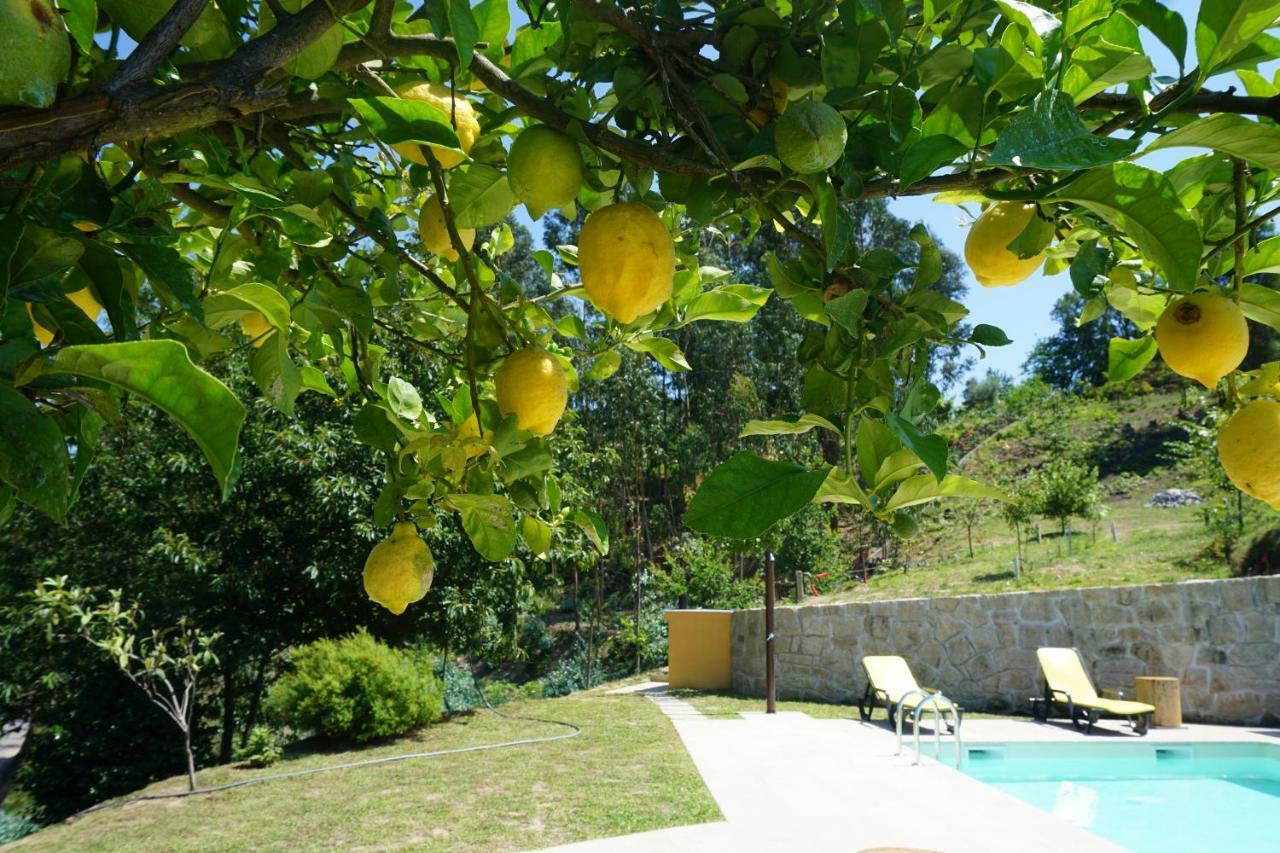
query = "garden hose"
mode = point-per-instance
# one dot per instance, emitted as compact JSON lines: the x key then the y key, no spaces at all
{"x":575,"y":731}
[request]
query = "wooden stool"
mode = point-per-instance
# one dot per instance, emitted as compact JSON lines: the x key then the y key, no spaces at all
{"x":1164,"y":694}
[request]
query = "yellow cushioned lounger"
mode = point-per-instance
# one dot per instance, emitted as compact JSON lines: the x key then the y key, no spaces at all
{"x":890,"y":682}
{"x":1066,"y":683}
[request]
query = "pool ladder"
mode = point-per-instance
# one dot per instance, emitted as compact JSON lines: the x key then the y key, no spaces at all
{"x":940,"y":705}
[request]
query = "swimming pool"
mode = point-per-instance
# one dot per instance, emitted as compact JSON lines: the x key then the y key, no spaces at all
{"x":1147,"y":797}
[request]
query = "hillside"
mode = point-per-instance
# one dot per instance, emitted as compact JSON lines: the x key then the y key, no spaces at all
{"x":1132,"y":439}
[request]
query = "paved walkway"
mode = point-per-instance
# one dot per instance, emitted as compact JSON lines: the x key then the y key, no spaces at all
{"x":789,"y":782}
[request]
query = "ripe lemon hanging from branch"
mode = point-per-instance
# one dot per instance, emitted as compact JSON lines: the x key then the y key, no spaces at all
{"x":459,"y":112}
{"x":986,"y":249}
{"x":627,"y":260}
{"x":399,"y":569}
{"x":1203,"y":336}
{"x":1249,"y":450}
{"x":530,"y":384}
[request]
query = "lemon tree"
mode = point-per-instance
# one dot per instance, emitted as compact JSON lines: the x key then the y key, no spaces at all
{"x":230,"y":178}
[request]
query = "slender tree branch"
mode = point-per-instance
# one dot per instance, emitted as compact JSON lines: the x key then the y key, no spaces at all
{"x":157,"y":46}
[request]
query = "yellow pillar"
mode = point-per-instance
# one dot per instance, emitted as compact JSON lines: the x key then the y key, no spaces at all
{"x":698,"y":646}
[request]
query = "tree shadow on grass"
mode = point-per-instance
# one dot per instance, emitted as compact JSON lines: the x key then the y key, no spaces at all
{"x":992,"y":577}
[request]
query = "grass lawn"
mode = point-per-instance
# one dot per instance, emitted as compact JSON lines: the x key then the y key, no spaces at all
{"x":1154,"y":546}
{"x":729,"y":706}
{"x":627,"y":772}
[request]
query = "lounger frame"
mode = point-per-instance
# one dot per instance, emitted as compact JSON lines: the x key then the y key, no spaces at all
{"x":1083,"y":718}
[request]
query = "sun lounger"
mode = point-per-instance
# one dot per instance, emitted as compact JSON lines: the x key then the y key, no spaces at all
{"x":1067,"y":684}
{"x":890,"y":683}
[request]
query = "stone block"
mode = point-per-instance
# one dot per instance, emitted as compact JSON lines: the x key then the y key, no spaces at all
{"x":1265,"y":656}
{"x":1237,"y":707}
{"x":877,"y":627}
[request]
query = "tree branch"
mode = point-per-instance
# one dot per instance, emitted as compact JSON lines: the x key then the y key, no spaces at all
{"x":157,"y":46}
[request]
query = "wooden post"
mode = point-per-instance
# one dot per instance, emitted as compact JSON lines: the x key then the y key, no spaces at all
{"x":1115,"y":536}
{"x":1038,"y":533}
{"x":1017,"y":568}
{"x":799,"y":586}
{"x":770,"y":675}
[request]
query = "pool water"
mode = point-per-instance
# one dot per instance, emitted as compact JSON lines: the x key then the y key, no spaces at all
{"x":1146,"y":797}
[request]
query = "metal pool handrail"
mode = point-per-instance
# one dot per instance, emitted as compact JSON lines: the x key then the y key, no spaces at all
{"x":940,"y":705}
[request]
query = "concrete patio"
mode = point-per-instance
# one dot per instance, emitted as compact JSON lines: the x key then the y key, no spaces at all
{"x":791,"y":782}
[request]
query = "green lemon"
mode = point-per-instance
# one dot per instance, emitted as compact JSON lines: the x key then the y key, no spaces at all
{"x":34,"y":53}
{"x":810,"y":137}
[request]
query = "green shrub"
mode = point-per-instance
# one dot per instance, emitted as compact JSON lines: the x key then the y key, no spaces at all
{"x":12,"y":827}
{"x":564,"y":679}
{"x":501,"y":691}
{"x":356,"y":688}
{"x":461,"y":695}
{"x":262,"y":749}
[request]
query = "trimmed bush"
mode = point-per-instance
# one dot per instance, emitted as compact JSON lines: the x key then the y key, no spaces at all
{"x":356,"y":688}
{"x":13,"y":827}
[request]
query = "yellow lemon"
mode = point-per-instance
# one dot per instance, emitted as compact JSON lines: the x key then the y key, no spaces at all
{"x":470,"y":428}
{"x":545,"y":169}
{"x":986,"y":249}
{"x":82,"y":299}
{"x":43,"y":335}
{"x":627,"y":260}
{"x":531,"y":384}
{"x":256,"y":327}
{"x":1203,"y":336}
{"x":435,"y":233}
{"x":399,"y":569}
{"x":459,"y":112}
{"x":1249,"y":449}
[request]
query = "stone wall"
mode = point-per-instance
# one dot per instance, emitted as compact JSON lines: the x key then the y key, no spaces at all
{"x":1220,"y":637}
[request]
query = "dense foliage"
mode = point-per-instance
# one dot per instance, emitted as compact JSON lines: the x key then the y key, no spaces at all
{"x":356,"y":688}
{"x":259,"y":282}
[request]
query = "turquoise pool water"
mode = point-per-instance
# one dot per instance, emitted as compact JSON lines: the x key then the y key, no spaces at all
{"x":1147,"y":797}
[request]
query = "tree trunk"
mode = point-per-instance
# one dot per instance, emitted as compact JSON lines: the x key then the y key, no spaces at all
{"x":639,"y":632}
{"x":255,"y":698}
{"x":577,"y":605}
{"x":227,"y":739}
{"x":968,"y":527}
{"x":191,"y":757}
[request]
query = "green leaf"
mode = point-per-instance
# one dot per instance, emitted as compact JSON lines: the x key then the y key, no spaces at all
{"x":33,"y":455}
{"x":837,"y":227}
{"x":989,"y":336}
{"x":1142,"y":309}
{"x":1261,"y":304}
{"x":847,"y":310}
{"x":605,"y":365}
{"x":1032,"y":239}
{"x":1051,"y":135}
{"x":494,"y":20}
{"x":732,"y":303}
{"x":170,"y":275}
{"x":230,"y":305}
{"x":923,"y":488}
{"x":1227,"y":26}
{"x":1125,"y":358}
{"x":404,"y":399}
{"x":404,"y":120}
{"x":872,"y":444}
{"x":1166,"y":24}
{"x":1098,"y":65}
{"x":1229,"y":134}
{"x":464,"y":29}
{"x":593,"y":527}
{"x":479,"y":195}
{"x":537,"y":535}
{"x":1263,"y":258}
{"x":1143,"y":205}
{"x":81,"y":18}
{"x":161,"y":373}
{"x":840,"y":488}
{"x":489,"y":523}
{"x":1036,"y":22}
{"x":927,"y":155}
{"x":746,"y":495}
{"x":663,"y":350}
{"x":788,"y":426}
{"x":275,"y":374}
{"x":931,"y":448}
